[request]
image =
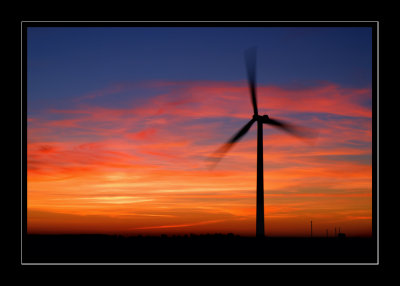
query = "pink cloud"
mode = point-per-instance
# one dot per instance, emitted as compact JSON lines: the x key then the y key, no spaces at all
{"x":144,"y":134}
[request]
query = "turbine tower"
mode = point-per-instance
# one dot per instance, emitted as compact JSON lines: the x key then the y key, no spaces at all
{"x":250,"y":60}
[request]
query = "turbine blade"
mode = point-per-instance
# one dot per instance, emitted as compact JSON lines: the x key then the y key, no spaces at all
{"x":296,"y":130}
{"x":250,"y":58}
{"x":220,"y":152}
{"x":241,"y":132}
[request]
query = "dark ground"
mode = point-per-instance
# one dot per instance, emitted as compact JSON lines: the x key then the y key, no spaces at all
{"x":195,"y":249}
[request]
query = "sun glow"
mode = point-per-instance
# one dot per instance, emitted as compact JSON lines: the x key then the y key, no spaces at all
{"x":133,"y":170}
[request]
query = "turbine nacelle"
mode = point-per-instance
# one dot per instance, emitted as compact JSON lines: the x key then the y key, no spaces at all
{"x":264,"y":118}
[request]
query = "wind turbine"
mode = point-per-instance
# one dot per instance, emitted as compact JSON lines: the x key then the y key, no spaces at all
{"x":250,"y":59}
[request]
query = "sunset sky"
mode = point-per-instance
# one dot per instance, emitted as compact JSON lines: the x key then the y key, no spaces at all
{"x":122,"y":120}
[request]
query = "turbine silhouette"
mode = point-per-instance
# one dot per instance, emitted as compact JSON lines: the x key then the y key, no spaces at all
{"x":250,"y":59}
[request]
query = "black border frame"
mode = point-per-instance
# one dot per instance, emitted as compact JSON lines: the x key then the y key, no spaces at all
{"x":375,"y":91}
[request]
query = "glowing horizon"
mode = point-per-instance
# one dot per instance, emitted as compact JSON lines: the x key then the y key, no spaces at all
{"x":133,"y":172}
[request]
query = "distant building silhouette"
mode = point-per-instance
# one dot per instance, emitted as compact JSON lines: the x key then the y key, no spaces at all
{"x":341,"y":235}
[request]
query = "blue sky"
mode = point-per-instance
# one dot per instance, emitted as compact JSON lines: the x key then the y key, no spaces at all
{"x":70,"y":62}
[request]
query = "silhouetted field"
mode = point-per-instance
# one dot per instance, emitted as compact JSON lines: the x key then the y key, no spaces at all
{"x":195,"y":249}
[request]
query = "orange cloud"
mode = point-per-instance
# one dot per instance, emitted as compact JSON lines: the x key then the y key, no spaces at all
{"x":141,"y":167}
{"x":179,"y":225}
